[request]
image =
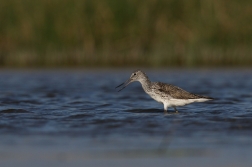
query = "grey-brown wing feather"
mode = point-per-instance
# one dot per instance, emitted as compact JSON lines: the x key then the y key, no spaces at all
{"x":176,"y":92}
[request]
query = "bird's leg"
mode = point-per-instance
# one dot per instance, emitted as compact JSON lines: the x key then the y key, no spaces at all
{"x":175,"y":109}
{"x":165,"y":108}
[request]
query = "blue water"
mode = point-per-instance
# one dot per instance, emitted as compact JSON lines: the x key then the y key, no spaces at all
{"x":55,"y":116}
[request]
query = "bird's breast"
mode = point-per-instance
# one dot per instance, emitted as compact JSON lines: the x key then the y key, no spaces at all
{"x":158,"y":97}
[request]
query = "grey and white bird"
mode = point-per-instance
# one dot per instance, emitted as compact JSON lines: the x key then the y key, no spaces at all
{"x":169,"y":95}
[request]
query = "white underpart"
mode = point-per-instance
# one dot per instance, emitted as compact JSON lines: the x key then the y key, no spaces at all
{"x":181,"y":102}
{"x":170,"y":102}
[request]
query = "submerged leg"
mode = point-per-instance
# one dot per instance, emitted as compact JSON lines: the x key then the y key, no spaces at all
{"x":175,"y":109}
{"x":165,"y":108}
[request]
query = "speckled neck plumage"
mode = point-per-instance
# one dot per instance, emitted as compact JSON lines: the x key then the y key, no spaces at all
{"x":146,"y":84}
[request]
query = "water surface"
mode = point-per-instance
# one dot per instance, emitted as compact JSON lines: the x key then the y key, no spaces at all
{"x":76,"y":117}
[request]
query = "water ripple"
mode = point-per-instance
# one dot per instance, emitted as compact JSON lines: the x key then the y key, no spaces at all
{"x":14,"y":111}
{"x":86,"y":104}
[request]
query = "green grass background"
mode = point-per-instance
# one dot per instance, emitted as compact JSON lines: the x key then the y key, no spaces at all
{"x":122,"y":33}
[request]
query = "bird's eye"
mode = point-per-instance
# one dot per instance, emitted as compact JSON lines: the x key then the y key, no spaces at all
{"x":134,"y":74}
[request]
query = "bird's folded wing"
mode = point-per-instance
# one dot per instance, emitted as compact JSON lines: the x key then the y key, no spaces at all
{"x":176,"y":92}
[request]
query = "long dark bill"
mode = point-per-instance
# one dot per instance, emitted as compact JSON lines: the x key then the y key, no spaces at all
{"x":120,"y":85}
{"x":124,"y":85}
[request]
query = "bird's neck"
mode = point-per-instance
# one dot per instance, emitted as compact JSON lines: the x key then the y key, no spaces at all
{"x":146,"y":83}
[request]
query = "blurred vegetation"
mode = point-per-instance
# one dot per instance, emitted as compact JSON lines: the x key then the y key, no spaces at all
{"x":153,"y":33}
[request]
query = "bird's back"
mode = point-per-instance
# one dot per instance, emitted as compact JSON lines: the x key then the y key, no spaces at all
{"x":176,"y":92}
